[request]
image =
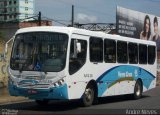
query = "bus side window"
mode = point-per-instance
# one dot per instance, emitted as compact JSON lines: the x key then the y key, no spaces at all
{"x":122,"y":55}
{"x":142,"y":54}
{"x":96,"y":49}
{"x":151,"y":54}
{"x":109,"y":51}
{"x":76,"y":62}
{"x":133,"y":53}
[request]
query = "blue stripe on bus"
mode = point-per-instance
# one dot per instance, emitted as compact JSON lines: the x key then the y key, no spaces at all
{"x":122,"y":72}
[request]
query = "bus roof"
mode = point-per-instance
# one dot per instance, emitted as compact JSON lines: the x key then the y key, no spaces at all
{"x":72,"y":30}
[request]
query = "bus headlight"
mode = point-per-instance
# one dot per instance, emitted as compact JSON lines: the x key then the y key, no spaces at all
{"x":11,"y":81}
{"x":59,"y":83}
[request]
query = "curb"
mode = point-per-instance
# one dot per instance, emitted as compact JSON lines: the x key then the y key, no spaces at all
{"x":5,"y":98}
{"x":11,"y":99}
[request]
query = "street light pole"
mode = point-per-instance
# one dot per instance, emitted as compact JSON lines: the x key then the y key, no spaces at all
{"x":39,"y":19}
{"x":72,"y":23}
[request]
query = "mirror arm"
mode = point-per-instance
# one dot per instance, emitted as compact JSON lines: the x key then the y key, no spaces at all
{"x":6,"y":47}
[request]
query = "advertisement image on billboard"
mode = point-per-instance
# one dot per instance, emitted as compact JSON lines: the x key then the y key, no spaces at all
{"x":138,"y":25}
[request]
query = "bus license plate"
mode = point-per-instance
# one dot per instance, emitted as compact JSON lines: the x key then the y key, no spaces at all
{"x":31,"y":91}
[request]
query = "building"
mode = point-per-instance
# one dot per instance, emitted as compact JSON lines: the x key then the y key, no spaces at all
{"x":9,"y":29}
{"x":16,"y":10}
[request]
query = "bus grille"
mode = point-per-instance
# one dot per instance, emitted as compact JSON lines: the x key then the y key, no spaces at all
{"x":33,"y":85}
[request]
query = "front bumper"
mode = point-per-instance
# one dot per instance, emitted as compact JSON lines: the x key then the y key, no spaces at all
{"x":60,"y":92}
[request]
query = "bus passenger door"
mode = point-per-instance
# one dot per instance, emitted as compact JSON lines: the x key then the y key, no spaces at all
{"x":77,"y":65}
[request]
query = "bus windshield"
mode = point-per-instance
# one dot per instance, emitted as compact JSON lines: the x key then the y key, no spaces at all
{"x":39,"y":51}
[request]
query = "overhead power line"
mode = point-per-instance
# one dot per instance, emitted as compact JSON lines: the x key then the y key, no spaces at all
{"x":105,"y":27}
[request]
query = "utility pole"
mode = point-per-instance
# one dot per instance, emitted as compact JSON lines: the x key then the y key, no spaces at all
{"x":72,"y":22}
{"x":39,"y":19}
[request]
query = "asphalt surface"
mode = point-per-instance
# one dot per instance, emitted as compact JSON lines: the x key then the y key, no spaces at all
{"x":148,"y":104}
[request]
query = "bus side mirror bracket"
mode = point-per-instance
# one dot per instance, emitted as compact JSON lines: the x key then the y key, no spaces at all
{"x":6,"y":47}
{"x":78,"y":45}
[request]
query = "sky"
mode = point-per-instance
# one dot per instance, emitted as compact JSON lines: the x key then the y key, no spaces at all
{"x":92,"y":11}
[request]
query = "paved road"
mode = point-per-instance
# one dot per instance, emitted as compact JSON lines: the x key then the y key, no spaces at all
{"x":148,"y":104}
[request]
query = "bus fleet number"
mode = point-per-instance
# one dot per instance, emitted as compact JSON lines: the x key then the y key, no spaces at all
{"x":88,"y":75}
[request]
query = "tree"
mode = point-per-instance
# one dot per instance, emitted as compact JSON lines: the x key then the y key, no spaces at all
{"x":2,"y":38}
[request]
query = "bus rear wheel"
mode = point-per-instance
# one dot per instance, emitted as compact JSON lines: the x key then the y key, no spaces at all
{"x":42,"y":102}
{"x":88,"y":96}
{"x":138,"y":90}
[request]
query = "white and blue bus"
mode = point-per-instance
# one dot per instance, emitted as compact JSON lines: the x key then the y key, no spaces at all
{"x":65,"y":63}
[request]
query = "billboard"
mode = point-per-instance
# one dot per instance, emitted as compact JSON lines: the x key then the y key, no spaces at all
{"x":138,"y":25}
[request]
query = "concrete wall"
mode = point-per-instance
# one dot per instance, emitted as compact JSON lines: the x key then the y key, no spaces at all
{"x":8,"y":29}
{"x":3,"y":65}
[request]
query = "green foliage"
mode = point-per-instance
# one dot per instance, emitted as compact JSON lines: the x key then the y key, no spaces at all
{"x":2,"y":38}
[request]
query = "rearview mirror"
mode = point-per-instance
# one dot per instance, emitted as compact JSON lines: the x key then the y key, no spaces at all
{"x":77,"y":48}
{"x":78,"y":45}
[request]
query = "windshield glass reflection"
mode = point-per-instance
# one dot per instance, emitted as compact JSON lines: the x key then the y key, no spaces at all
{"x":39,"y":52}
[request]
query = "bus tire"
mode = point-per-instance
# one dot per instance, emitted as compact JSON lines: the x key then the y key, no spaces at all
{"x":42,"y":102}
{"x":88,"y":96}
{"x":137,"y":90}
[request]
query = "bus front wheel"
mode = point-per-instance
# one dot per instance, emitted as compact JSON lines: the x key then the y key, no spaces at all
{"x":138,"y":90}
{"x":88,"y":96}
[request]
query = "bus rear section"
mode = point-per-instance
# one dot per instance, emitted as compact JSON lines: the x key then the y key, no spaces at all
{"x":112,"y":65}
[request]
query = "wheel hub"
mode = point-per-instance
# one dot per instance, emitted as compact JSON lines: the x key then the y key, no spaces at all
{"x":138,"y":90}
{"x":88,"y":94}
